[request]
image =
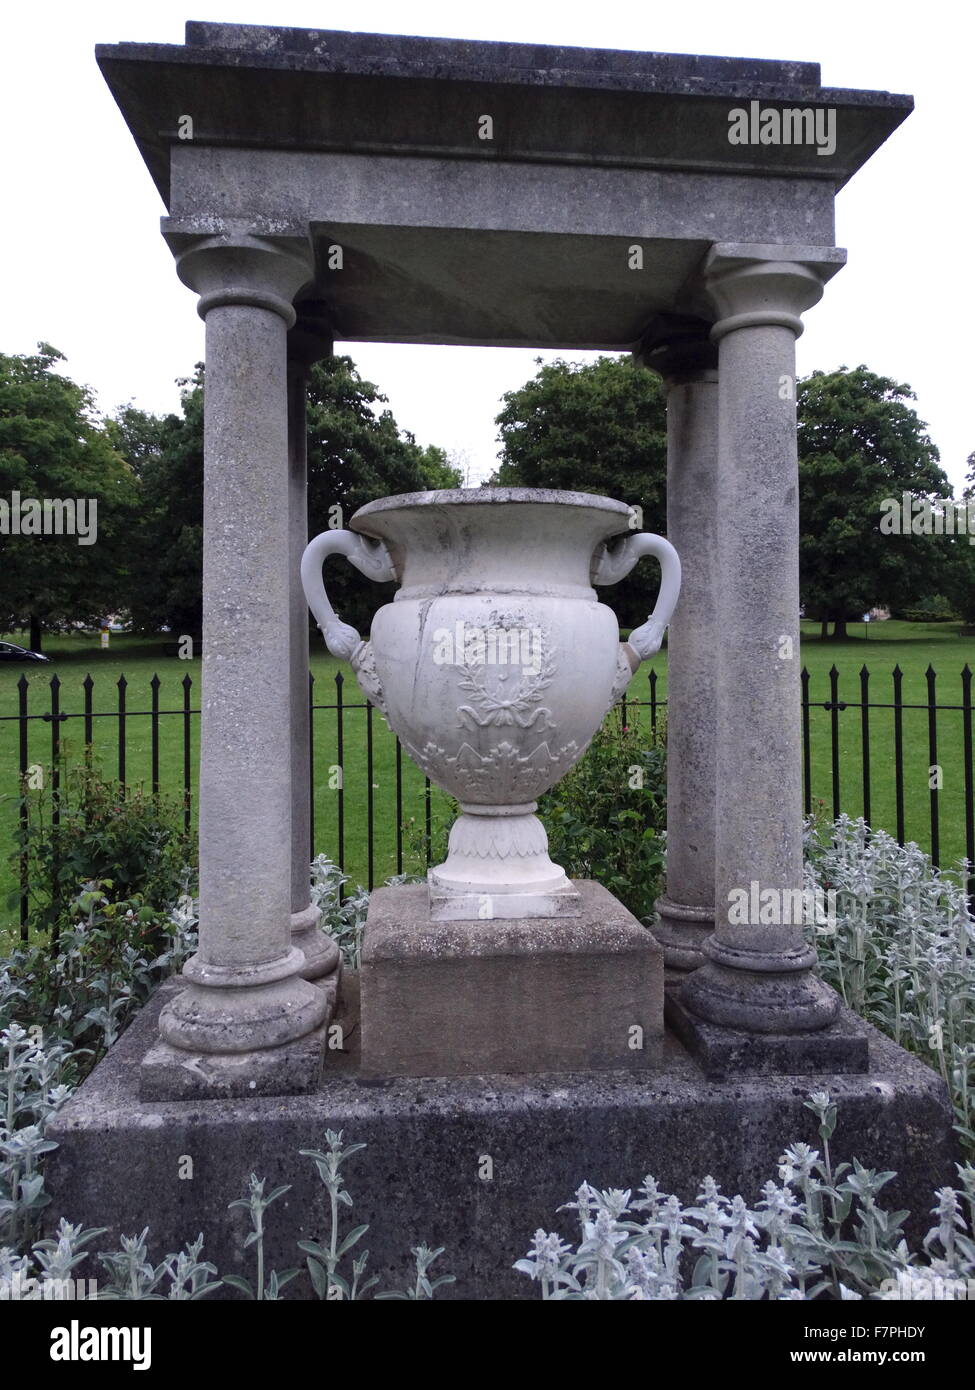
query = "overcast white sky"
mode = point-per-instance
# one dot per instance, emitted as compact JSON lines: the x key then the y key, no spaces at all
{"x":84,"y":266}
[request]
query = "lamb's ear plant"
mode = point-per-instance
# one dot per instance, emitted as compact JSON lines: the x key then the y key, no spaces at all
{"x":49,"y":1003}
{"x":131,"y":1273}
{"x":256,"y":1203}
{"x":423,"y":1287}
{"x":83,"y":991}
{"x":357,"y":1286}
{"x":818,"y":1233}
{"x":57,"y":1257}
{"x":190,"y":1278}
{"x":323,"y":1260}
{"x":899,"y":948}
{"x":343,"y":916}
{"x":31,"y":1093}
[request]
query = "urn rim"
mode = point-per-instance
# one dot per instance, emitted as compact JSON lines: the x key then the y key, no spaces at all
{"x":490,"y":496}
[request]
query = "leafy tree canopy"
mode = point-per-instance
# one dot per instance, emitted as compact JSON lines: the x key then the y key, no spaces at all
{"x":595,"y":427}
{"x":53,"y":450}
{"x":860,"y":442}
{"x":356,"y":453}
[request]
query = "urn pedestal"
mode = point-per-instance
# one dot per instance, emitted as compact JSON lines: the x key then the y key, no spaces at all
{"x":563,"y":994}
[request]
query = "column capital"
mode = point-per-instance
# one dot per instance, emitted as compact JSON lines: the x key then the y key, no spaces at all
{"x":240,"y":265}
{"x":679,"y":347}
{"x":750,"y":285}
{"x":312,"y":336}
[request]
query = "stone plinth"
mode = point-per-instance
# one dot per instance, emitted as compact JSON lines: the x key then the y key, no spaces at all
{"x":508,"y":995}
{"x":122,"y":1160}
{"x":841,"y":1046}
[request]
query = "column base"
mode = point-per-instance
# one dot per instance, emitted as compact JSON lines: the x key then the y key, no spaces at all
{"x":839,"y":1047}
{"x":231,"y":1009}
{"x":761,"y":999}
{"x":293,"y":1068}
{"x":681,"y":931}
{"x":321,"y":953}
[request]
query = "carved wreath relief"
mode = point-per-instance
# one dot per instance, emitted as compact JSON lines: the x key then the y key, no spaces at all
{"x":493,"y":697}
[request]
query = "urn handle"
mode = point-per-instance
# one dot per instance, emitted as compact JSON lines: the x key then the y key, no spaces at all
{"x":370,"y":558}
{"x":613,"y":562}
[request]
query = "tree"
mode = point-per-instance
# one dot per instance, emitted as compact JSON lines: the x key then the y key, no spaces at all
{"x":596,"y":427}
{"x":859,"y":444}
{"x":355,"y":454}
{"x":960,"y":582}
{"x":166,"y":453}
{"x":53,"y":452}
{"x":136,"y":435}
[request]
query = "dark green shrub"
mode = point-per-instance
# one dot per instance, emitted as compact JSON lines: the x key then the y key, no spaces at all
{"x":606,"y":819}
{"x":93,"y":829}
{"x":936,"y":609}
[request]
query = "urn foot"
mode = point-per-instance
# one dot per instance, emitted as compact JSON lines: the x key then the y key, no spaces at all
{"x":497,"y":865}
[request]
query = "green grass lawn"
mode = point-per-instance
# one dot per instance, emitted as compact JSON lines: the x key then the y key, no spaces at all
{"x":139,"y":660}
{"x":913,"y":646}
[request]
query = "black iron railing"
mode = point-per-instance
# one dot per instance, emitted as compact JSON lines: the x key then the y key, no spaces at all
{"x":830,"y":746}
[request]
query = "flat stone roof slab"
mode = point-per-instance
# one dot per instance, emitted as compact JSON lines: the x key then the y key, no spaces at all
{"x":294,"y":89}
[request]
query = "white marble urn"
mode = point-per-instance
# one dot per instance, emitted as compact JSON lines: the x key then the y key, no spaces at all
{"x":495,"y":664}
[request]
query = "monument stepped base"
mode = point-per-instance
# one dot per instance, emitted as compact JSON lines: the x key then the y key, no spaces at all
{"x":120,"y":1158}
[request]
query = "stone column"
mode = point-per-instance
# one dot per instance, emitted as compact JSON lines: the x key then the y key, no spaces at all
{"x":681,"y":351}
{"x":309,"y":340}
{"x":245,"y":991}
{"x":758,"y":979}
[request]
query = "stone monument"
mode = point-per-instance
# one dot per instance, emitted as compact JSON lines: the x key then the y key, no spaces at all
{"x":324,"y":185}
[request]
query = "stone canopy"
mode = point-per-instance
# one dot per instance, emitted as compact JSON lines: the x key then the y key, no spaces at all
{"x":374,"y":143}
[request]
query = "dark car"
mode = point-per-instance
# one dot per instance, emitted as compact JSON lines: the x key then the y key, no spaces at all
{"x":8,"y":652}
